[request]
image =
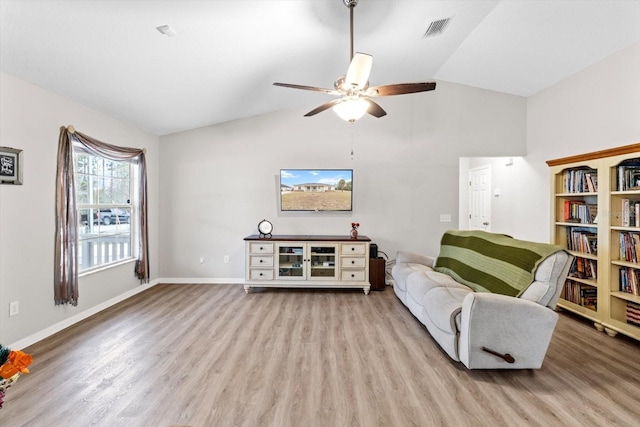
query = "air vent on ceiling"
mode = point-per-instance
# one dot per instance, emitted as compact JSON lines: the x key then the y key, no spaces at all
{"x":436,"y":28}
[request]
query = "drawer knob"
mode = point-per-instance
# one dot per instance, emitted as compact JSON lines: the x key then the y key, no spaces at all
{"x":353,"y":275}
{"x":260,"y":274}
{"x":260,"y":260}
{"x":353,"y":262}
{"x":261,"y":248}
{"x":353,"y":249}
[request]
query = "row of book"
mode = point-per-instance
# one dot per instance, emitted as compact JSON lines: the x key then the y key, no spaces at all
{"x":630,"y":280}
{"x":580,"y":211}
{"x":582,"y":239}
{"x":584,"y":295}
{"x":630,"y":213}
{"x":580,"y":180}
{"x":629,"y":246}
{"x":583,"y":268}
{"x":633,"y":313}
{"x":629,"y":175}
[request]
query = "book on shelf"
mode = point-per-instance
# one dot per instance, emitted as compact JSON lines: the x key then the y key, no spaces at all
{"x":589,"y":297}
{"x":583,"y":268}
{"x":577,"y":293}
{"x":628,"y":175}
{"x":583,"y":240}
{"x":580,"y":180}
{"x":633,"y":313}
{"x":630,"y":212}
{"x":629,"y":246}
{"x":629,"y":280}
{"x":579,"y":211}
{"x":592,"y":182}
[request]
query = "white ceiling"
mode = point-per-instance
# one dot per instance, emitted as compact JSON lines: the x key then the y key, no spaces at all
{"x":108,"y":55}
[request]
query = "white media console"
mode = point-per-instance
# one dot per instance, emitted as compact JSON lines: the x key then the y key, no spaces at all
{"x":296,"y":261}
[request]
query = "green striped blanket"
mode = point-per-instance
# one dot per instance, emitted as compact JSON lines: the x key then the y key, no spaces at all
{"x":488,"y":262}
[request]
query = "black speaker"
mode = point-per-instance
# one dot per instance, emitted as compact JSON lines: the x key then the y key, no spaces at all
{"x":373,"y":251}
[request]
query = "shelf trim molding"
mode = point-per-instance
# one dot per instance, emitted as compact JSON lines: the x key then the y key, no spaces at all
{"x":594,"y":155}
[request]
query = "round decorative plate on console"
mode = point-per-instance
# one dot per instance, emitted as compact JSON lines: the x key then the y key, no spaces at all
{"x":265,"y":228}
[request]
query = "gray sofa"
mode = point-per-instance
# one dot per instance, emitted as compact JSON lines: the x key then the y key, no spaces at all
{"x":478,"y":326}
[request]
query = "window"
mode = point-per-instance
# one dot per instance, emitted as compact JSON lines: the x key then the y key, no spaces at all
{"x":106,"y":193}
{"x":104,"y":206}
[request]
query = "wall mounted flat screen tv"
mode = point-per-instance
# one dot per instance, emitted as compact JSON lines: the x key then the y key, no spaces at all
{"x":316,"y":190}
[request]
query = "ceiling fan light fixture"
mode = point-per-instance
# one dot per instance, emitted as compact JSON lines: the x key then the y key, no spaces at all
{"x":353,"y":88}
{"x":351,"y":110}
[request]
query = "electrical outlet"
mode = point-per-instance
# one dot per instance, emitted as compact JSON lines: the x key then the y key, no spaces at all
{"x":201,"y":260}
{"x":445,"y":218}
{"x":14,"y":308}
{"x":226,"y":259}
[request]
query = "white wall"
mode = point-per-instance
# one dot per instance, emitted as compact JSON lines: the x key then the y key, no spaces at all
{"x":218,"y":182}
{"x":595,"y":109}
{"x":30,"y":119}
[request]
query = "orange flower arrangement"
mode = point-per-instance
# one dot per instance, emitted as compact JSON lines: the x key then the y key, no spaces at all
{"x":13,"y":363}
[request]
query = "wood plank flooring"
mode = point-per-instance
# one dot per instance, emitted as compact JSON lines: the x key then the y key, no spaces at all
{"x":210,"y":355}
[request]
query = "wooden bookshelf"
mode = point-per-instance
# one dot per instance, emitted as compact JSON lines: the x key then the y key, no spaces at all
{"x":595,"y":212}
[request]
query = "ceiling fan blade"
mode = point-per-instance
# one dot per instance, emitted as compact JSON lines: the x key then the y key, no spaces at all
{"x":311,"y":88}
{"x":400,"y":88}
{"x":374,"y":109}
{"x":323,"y":107}
{"x":359,"y":70}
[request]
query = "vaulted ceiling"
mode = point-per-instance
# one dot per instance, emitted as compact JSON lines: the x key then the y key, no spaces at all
{"x":225,"y":55}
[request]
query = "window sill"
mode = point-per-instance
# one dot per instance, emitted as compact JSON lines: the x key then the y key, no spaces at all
{"x":106,"y":267}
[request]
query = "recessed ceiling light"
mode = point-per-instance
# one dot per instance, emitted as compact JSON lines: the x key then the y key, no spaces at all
{"x":166,"y":30}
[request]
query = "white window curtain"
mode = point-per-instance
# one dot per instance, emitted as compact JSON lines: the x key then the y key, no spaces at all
{"x":66,"y":260}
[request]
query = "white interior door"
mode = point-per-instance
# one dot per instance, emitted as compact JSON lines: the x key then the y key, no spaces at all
{"x":480,"y":198}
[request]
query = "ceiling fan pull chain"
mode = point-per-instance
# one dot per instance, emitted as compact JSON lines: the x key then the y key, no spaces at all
{"x":351,"y":131}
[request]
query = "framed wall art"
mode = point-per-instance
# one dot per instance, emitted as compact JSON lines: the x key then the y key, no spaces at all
{"x":10,"y":166}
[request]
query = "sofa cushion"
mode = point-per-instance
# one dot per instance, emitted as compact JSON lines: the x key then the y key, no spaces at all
{"x":443,"y":306}
{"x":403,"y":270}
{"x":419,"y":283}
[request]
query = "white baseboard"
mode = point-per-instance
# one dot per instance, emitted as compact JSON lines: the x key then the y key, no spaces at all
{"x":38,"y":336}
{"x":202,"y":281}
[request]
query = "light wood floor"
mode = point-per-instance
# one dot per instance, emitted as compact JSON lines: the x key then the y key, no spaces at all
{"x":210,"y":355}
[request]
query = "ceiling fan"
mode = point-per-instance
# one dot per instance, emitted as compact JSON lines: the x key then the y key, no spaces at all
{"x":353,"y":88}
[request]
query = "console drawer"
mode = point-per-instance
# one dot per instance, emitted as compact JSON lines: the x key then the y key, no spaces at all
{"x":260,"y":274}
{"x":352,"y":262}
{"x":352,"y":275}
{"x":261,"y":261}
{"x":260,"y":248}
{"x":353,"y":248}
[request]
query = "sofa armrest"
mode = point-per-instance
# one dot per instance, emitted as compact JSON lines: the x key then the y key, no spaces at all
{"x":412,"y":257}
{"x":504,"y":325}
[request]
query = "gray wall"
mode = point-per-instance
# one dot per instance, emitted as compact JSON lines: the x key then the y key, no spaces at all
{"x":595,"y":109}
{"x":218,"y":182}
{"x":30,"y":119}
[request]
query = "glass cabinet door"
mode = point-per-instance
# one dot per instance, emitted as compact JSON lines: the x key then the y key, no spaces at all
{"x":322,"y":258}
{"x":291,"y":261}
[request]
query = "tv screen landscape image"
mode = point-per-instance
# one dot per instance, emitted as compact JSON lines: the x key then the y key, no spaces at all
{"x":316,"y":189}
